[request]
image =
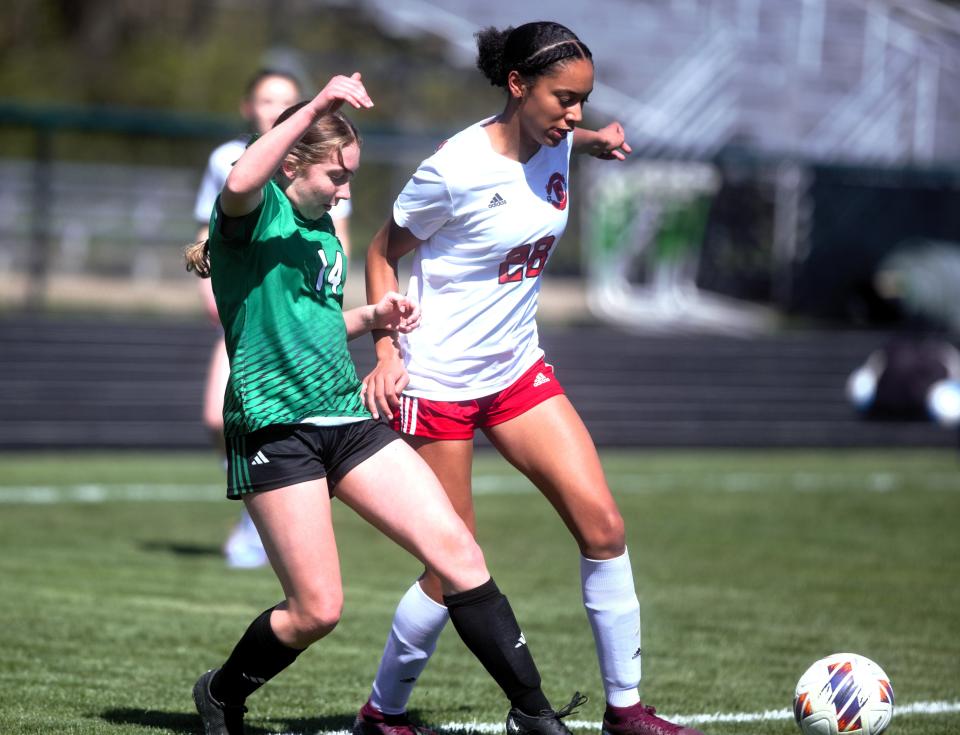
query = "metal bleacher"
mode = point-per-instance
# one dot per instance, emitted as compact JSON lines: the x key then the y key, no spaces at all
{"x":79,"y":383}
{"x":862,"y":81}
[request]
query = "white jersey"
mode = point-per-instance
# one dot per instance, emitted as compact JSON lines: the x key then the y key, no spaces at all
{"x":218,"y":167}
{"x":489,"y":224}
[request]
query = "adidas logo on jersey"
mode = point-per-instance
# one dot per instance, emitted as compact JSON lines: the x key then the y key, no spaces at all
{"x":260,"y":459}
{"x":540,"y":380}
{"x":497,"y":201}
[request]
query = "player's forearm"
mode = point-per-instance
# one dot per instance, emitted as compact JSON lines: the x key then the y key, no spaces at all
{"x":584,"y":140}
{"x":359,"y":320}
{"x":242,"y":189}
{"x":381,"y":277}
{"x":587,"y":141}
{"x":608,"y":143}
{"x":380,"y":269}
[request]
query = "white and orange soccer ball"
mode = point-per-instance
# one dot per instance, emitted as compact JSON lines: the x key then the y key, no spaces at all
{"x":843,"y":694}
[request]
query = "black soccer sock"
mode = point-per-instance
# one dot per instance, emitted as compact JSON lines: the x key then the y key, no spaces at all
{"x":258,"y":657}
{"x":487,"y":625}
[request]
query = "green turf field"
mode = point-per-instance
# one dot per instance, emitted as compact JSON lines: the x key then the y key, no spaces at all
{"x":749,"y":566}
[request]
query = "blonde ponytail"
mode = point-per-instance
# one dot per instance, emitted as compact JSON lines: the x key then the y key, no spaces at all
{"x":197,"y":256}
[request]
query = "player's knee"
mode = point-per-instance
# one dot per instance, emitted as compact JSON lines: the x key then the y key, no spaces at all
{"x":316,"y":619}
{"x":463,"y":552}
{"x":460,"y":561}
{"x":605,"y":537}
{"x":471,"y":556}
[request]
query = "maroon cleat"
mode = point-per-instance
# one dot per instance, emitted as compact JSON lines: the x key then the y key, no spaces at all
{"x":640,"y":719}
{"x":371,"y":721}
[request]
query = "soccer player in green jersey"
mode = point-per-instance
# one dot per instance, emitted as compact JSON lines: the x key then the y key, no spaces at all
{"x":268,"y":93}
{"x":296,"y":427}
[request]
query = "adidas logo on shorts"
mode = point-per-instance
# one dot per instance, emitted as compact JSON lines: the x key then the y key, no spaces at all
{"x":497,"y":201}
{"x":260,"y":459}
{"x":540,"y":380}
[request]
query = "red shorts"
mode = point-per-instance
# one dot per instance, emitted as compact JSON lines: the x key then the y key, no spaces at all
{"x":458,"y":419}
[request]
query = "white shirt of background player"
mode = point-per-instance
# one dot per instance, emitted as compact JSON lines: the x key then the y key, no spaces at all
{"x":219,"y":165}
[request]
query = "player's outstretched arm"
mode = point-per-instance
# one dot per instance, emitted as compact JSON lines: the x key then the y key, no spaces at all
{"x":243,"y":188}
{"x":394,"y":312}
{"x":608,"y":143}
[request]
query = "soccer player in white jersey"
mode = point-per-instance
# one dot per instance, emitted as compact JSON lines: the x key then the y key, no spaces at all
{"x":481,"y":217}
{"x":268,"y":93}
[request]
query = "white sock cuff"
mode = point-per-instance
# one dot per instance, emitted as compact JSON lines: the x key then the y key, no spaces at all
{"x":426,"y":599}
{"x":606,"y":575}
{"x":623,"y":697}
{"x":419,"y":619}
{"x":624,"y":555}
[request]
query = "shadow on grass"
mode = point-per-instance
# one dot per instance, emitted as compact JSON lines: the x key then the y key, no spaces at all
{"x":171,"y":547}
{"x":180,"y":722}
{"x":177,"y":722}
{"x":339,"y":723}
{"x":166,"y":721}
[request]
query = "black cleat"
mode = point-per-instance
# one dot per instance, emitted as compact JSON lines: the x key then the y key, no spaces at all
{"x":547,"y":722}
{"x":218,"y":718}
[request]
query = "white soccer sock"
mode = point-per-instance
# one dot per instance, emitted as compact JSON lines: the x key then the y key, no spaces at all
{"x":614,"y":614}
{"x":417,"y":624}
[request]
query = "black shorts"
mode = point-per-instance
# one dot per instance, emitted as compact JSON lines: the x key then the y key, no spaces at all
{"x":287,"y":454}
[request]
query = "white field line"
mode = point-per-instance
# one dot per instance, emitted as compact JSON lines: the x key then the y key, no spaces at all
{"x":493,"y":728}
{"x":737,"y":482}
{"x":102,"y":493}
{"x":514,"y":483}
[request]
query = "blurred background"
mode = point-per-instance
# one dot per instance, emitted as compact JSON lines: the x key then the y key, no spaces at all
{"x":781,"y":252}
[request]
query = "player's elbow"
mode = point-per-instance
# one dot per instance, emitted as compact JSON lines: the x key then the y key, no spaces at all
{"x":238,"y":198}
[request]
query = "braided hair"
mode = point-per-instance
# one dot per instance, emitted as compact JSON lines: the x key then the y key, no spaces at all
{"x":530,"y":49}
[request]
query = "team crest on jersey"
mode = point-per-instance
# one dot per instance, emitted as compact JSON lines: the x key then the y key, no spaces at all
{"x":557,"y":191}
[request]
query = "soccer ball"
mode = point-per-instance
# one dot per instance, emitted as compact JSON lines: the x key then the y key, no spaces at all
{"x":843,"y":694}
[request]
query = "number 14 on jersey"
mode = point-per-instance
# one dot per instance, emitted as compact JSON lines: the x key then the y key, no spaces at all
{"x":332,"y":274}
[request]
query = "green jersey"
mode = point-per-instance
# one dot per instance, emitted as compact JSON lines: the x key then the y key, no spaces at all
{"x":278,"y":281}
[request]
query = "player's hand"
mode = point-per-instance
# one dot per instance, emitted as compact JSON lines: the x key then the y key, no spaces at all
{"x":611,"y":143}
{"x":396,"y":312}
{"x":381,"y":389}
{"x":342,"y":89}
